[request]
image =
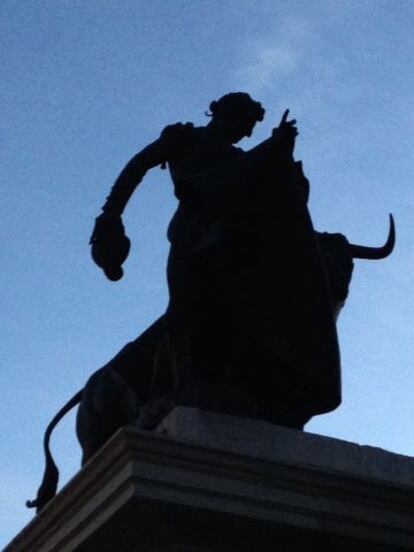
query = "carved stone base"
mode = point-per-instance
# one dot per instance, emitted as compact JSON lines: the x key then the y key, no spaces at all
{"x":206,"y":482}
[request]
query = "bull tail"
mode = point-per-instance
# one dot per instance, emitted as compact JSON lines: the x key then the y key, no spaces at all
{"x":48,"y":487}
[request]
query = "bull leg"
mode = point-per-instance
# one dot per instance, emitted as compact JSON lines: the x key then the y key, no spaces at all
{"x":108,"y":404}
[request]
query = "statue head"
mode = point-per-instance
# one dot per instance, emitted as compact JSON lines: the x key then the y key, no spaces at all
{"x":235,"y":115}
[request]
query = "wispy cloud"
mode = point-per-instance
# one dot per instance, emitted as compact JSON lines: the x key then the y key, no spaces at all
{"x":307,"y":57}
{"x":275,"y":55}
{"x":266,"y":64}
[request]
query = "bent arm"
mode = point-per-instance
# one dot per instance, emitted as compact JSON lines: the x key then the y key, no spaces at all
{"x":131,"y":175}
{"x":172,"y":139}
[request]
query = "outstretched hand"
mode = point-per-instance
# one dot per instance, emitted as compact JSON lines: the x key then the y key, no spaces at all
{"x":285,"y":134}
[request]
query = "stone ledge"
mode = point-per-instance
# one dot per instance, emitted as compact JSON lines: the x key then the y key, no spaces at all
{"x":209,"y":482}
{"x":263,"y":440}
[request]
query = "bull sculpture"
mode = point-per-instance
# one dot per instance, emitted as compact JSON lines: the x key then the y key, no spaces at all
{"x":123,"y":390}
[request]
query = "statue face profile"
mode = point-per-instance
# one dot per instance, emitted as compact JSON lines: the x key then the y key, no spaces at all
{"x":239,"y":127}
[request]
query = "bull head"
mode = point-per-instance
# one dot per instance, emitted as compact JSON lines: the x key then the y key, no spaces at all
{"x":337,"y":256}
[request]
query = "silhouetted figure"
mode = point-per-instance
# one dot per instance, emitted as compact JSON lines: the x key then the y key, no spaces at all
{"x":231,"y":266}
{"x":254,"y":290}
{"x":250,"y":323}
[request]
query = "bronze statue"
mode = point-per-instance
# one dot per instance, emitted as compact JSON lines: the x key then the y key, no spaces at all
{"x":254,"y":290}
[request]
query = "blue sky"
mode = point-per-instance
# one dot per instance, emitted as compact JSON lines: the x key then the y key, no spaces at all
{"x":84,"y":85}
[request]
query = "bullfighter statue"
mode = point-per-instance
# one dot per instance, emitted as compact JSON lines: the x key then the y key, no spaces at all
{"x":254,"y":290}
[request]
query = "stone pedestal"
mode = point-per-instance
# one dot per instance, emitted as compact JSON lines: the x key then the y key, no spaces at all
{"x":207,"y":483}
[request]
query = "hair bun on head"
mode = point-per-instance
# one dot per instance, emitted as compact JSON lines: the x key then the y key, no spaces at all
{"x":235,"y":103}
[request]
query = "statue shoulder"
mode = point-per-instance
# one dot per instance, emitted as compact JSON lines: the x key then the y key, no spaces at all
{"x":177,"y":137}
{"x":179,"y":132}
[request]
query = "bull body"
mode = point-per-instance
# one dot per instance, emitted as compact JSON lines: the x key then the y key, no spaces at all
{"x":124,"y":389}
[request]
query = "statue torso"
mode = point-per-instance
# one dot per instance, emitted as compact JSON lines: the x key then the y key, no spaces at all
{"x":196,"y":158}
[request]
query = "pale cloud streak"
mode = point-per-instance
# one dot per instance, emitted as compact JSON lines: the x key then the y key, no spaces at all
{"x":278,"y":56}
{"x":266,"y":65}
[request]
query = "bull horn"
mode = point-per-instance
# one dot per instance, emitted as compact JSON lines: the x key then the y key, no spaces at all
{"x":363,"y":252}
